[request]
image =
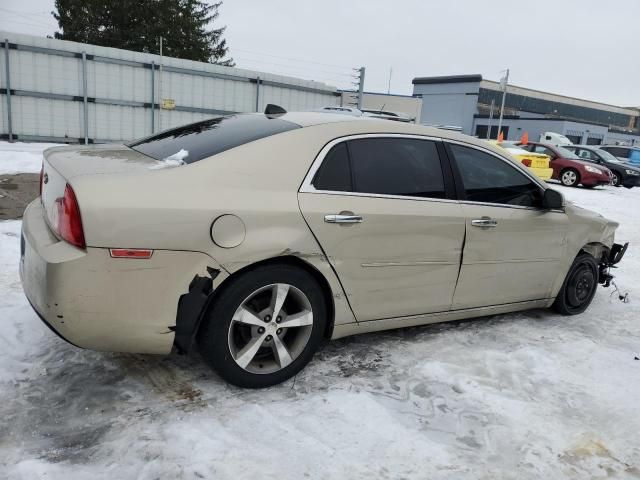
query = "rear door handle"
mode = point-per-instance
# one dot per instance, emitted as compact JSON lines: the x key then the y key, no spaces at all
{"x":340,"y":218}
{"x":484,"y":222}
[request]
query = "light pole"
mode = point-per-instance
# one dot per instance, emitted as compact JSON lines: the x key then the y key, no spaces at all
{"x":504,"y":81}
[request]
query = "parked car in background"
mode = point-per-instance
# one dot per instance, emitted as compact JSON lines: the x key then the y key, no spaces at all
{"x":387,"y":115}
{"x":624,"y":174}
{"x":569,"y":169}
{"x":538,"y":163}
{"x":624,"y":153}
{"x":284,"y":230}
{"x":554,"y":139}
{"x":352,"y":111}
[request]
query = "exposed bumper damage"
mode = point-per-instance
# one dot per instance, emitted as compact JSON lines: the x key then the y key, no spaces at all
{"x":191,"y":307}
{"x":609,"y":261}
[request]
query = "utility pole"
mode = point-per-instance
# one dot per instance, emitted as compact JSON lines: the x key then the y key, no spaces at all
{"x":389,"y":86}
{"x":160,"y":90}
{"x":360,"y":78}
{"x":493,"y":102}
{"x":503,"y":82}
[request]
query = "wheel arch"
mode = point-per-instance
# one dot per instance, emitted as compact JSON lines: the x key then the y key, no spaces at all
{"x":291,"y":260}
{"x":597,"y":250}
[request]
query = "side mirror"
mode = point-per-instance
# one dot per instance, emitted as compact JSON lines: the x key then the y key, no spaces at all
{"x":552,"y":200}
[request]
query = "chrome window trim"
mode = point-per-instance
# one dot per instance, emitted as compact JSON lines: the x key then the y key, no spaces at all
{"x":308,"y":187}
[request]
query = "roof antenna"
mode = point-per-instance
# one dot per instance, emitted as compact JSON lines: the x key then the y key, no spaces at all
{"x":272,"y":110}
{"x":381,"y":109}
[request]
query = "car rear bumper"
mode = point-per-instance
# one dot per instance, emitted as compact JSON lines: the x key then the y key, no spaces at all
{"x":98,"y":302}
{"x":542,"y":173}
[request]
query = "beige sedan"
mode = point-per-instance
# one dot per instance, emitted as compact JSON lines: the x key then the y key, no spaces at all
{"x":259,"y":236}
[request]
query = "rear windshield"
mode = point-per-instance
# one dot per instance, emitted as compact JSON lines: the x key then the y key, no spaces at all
{"x":191,"y":143}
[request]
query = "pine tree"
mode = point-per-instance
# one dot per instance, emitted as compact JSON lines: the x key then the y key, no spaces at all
{"x":137,"y":25}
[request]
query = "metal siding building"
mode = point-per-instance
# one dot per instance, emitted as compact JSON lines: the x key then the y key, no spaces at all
{"x":47,"y":81}
{"x":465,"y":101}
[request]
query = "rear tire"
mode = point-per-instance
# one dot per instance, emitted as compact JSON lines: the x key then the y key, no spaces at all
{"x":570,"y":177}
{"x":265,"y":326}
{"x":579,"y":286}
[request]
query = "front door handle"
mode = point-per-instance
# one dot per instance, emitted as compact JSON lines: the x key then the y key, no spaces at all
{"x":342,"y":218}
{"x":484,"y":222}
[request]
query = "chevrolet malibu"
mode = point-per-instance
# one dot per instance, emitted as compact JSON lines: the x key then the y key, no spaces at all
{"x":258,"y":236}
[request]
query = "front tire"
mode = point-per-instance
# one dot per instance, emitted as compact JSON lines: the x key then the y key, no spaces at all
{"x":579,"y":286}
{"x":616,"y":180}
{"x":570,"y":177}
{"x":265,"y":326}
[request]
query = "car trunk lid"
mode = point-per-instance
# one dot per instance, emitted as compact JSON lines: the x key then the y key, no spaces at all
{"x":62,"y":164}
{"x":74,"y":161}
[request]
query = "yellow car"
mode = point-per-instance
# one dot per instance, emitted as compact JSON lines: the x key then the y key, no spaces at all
{"x":538,"y":163}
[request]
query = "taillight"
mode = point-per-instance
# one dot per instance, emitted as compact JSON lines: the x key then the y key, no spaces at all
{"x":41,"y":176}
{"x":68,"y":221}
{"x":526,"y":162}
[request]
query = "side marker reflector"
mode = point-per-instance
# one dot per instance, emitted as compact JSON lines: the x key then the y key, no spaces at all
{"x":130,"y":253}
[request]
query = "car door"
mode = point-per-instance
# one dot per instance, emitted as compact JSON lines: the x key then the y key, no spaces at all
{"x":381,"y":207}
{"x":513,"y":247}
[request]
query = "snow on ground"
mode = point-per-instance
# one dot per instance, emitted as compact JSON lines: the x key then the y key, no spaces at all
{"x":526,"y":395}
{"x":22,"y":157}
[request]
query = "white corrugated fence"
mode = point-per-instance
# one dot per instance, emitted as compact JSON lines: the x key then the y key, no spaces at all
{"x":60,"y":91}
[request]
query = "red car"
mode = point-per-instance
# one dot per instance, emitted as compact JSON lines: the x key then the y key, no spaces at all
{"x":569,"y":169}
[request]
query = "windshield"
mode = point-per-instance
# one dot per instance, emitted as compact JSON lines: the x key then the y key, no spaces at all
{"x":193,"y":142}
{"x":607,"y":157}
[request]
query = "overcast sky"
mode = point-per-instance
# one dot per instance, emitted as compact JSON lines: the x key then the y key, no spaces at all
{"x":583,"y":48}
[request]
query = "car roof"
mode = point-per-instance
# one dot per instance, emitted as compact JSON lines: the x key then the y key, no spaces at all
{"x":632,"y":147}
{"x":363,"y":125}
{"x":306,"y":119}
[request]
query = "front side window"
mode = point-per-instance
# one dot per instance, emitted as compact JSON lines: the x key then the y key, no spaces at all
{"x":396,"y":166}
{"x":587,"y":155}
{"x":488,"y":179}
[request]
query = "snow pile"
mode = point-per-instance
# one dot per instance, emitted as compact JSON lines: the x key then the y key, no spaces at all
{"x":175,"y":160}
{"x":522,"y":396}
{"x":21,"y":157}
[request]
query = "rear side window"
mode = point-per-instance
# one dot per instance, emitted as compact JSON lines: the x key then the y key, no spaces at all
{"x":490,"y":180}
{"x":396,"y":166}
{"x":335,"y":172}
{"x":191,"y":143}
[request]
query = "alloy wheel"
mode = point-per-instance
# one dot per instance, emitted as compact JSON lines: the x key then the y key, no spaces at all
{"x":270,"y":328}
{"x":569,"y":178}
{"x":615,"y":181}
